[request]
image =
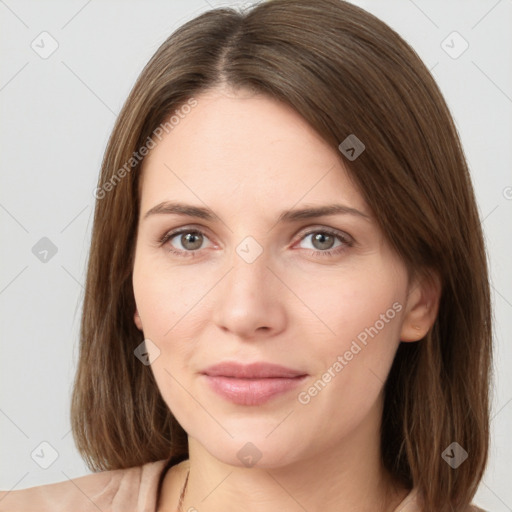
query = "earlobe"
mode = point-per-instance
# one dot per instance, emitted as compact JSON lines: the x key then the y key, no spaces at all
{"x":421,"y":309}
{"x":137,"y":320}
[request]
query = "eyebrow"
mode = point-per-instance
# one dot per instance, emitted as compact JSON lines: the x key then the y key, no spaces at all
{"x":293,"y":215}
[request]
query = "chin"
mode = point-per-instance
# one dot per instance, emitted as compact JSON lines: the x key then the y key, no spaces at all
{"x":257,"y":444}
{"x":250,"y":454}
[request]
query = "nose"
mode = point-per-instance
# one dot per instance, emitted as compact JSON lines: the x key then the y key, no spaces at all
{"x":250,"y":300}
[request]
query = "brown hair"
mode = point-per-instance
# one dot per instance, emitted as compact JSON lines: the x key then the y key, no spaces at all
{"x":345,"y":72}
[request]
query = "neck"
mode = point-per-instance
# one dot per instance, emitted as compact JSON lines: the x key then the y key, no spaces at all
{"x":348,"y":476}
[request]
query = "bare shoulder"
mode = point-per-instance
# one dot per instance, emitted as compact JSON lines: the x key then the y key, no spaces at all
{"x":86,"y":493}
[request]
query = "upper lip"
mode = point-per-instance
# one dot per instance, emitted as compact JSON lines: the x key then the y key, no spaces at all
{"x":259,"y":370}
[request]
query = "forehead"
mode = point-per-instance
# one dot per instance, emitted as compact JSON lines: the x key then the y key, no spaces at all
{"x":246,"y":146}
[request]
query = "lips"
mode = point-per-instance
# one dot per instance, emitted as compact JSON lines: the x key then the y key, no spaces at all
{"x":252,"y":384}
{"x":252,"y":371}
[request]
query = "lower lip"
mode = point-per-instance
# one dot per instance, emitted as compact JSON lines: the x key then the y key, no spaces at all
{"x":252,"y":391}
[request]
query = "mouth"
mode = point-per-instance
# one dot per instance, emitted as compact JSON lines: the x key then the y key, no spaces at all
{"x":253,"y":384}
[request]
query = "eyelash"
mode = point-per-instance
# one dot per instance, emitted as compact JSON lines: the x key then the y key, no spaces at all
{"x":344,"y":239}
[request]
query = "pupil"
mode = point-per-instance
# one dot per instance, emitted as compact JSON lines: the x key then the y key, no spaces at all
{"x":189,"y":239}
{"x":322,"y":238}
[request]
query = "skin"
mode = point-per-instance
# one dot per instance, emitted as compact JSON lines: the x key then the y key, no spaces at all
{"x":248,"y":157}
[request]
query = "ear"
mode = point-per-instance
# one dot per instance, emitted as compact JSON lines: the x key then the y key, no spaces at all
{"x":137,"y":320}
{"x":421,"y":308}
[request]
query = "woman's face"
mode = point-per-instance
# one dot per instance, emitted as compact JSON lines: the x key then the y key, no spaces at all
{"x":252,"y":281}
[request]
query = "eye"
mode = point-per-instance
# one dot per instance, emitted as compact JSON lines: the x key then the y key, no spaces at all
{"x":184,"y":241}
{"x":325,"y":242}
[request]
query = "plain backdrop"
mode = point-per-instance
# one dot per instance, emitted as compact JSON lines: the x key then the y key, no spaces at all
{"x":66,"y":69}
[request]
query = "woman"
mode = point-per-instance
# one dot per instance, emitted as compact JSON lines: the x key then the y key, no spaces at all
{"x":287,"y":301}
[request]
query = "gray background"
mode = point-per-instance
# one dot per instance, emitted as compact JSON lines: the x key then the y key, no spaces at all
{"x":56,"y":115}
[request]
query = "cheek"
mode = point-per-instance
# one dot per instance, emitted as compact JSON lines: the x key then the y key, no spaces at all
{"x":164,"y":299}
{"x":357,"y":303}
{"x":363,"y":311}
{"x":349,"y":379}
{"x":169,"y":304}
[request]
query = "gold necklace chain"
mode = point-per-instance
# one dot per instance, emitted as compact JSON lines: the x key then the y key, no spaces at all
{"x":182,"y":495}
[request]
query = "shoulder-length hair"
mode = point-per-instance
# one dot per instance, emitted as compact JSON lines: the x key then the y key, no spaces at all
{"x":345,"y":72}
